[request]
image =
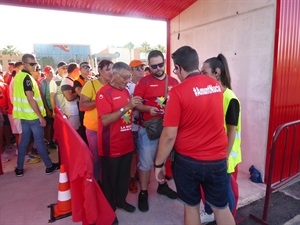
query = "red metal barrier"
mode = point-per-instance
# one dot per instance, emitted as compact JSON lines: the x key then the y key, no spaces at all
{"x":290,"y":134}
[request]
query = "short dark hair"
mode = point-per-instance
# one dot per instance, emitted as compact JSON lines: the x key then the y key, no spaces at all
{"x":17,"y":64}
{"x":27,"y":56}
{"x":84,"y":62}
{"x":187,"y":58}
{"x":104,"y":63}
{"x":155,"y":53}
{"x":72,"y":67}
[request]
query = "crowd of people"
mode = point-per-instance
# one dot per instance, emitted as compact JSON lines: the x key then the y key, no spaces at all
{"x":110,"y":110}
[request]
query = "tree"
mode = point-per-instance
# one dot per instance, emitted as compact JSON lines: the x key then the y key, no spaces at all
{"x":160,"y":48}
{"x":10,"y":50}
{"x":145,"y":47}
{"x":130,"y":46}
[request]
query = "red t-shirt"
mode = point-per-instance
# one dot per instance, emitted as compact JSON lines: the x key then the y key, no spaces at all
{"x":153,"y":91}
{"x":3,"y":96}
{"x":115,"y":139}
{"x":196,"y":108}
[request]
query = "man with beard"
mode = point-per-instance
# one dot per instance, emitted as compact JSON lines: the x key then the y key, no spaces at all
{"x":152,"y":89}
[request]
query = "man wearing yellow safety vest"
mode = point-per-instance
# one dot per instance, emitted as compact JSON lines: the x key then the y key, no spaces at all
{"x":29,"y":108}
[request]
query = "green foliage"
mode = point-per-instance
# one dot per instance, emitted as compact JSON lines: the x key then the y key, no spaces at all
{"x":10,"y":50}
{"x":145,"y":47}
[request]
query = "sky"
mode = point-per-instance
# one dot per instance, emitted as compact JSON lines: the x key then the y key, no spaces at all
{"x":22,"y":27}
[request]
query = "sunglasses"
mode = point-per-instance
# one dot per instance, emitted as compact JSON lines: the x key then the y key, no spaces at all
{"x":86,"y":67}
{"x":160,"y":65}
{"x":138,"y":68}
{"x":31,"y":64}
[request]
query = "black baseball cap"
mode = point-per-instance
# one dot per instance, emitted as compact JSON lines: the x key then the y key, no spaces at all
{"x":62,"y":63}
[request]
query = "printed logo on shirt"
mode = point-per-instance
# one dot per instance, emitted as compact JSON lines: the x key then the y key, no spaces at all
{"x":153,"y":85}
{"x":116,"y":98}
{"x":126,"y":120}
{"x":126,"y":117}
{"x":207,"y":90}
{"x":160,"y":101}
{"x":28,"y":83}
{"x":101,"y":96}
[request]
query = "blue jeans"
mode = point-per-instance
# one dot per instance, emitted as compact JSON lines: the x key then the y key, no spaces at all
{"x":35,"y":127}
{"x":93,"y":146}
{"x":190,"y":173}
{"x":231,"y":199}
{"x":147,"y":150}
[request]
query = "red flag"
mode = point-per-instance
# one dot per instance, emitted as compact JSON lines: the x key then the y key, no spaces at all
{"x":89,"y":204}
{"x":63,"y":47}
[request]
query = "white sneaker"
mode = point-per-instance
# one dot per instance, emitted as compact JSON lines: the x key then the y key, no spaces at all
{"x":206,"y":218}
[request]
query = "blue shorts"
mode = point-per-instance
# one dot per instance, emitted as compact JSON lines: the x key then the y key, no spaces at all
{"x":147,"y":150}
{"x":189,"y":174}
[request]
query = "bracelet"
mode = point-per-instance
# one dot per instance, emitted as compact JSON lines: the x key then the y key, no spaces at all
{"x":159,"y":166}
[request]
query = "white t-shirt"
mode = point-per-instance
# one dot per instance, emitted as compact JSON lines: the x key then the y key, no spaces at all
{"x":71,"y":108}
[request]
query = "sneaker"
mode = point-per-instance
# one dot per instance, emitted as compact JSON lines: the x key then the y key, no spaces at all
{"x":206,"y":218}
{"x":31,"y":160}
{"x":51,"y":145}
{"x":143,"y":201}
{"x":163,"y":189}
{"x":7,"y":155}
{"x":19,"y":172}
{"x":33,"y":156}
{"x":127,"y":207}
{"x":53,"y":168}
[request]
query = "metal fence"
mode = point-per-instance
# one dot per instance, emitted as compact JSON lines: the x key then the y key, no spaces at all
{"x":290,"y":152}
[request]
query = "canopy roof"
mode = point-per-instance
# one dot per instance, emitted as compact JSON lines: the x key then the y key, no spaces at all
{"x":148,"y":9}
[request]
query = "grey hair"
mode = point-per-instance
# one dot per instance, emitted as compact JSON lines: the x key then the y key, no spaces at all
{"x":119,"y":66}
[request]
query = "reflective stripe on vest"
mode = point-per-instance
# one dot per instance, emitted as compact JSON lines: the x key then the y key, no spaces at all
{"x":235,"y":156}
{"x":22,"y":108}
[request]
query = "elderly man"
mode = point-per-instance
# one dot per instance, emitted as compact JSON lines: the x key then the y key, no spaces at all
{"x":115,"y":141}
{"x":28,"y":106}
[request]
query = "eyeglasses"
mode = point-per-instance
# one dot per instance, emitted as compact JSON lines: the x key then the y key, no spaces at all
{"x":31,"y":64}
{"x":160,"y":65}
{"x":138,"y":68}
{"x":86,"y":67}
{"x":126,"y":77}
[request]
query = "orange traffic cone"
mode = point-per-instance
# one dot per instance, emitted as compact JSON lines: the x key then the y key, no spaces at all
{"x":63,"y":207}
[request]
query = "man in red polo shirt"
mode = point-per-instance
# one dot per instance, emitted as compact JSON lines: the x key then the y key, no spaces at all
{"x":194,"y":124}
{"x":115,"y":141}
{"x":152,"y":89}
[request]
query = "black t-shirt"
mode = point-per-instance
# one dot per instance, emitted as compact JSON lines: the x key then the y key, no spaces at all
{"x":77,"y":83}
{"x":27,"y":83}
{"x":232,"y":114}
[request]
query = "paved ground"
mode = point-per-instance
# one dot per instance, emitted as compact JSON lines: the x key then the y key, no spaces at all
{"x":24,"y":200}
{"x":284,"y":208}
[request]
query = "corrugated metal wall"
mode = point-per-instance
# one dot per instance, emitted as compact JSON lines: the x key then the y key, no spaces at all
{"x":285,"y":99}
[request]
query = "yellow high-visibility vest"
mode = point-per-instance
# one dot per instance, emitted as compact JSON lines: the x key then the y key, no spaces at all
{"x":235,"y":156}
{"x":21,"y":106}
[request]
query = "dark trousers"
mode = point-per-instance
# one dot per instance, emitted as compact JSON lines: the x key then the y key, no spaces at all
{"x":115,"y":178}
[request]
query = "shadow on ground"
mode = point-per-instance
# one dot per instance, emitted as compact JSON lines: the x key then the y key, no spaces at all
{"x":284,"y":206}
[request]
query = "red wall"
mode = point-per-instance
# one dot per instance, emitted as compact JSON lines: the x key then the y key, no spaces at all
{"x":285,"y":98}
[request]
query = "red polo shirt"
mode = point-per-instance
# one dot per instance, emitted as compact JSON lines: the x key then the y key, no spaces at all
{"x":115,"y":139}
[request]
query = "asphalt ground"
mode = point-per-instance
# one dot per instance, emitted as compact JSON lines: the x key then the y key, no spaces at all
{"x":284,"y":208}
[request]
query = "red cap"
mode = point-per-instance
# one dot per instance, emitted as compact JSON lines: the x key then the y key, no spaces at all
{"x":47,"y":69}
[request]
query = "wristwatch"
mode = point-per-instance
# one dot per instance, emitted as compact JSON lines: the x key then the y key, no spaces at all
{"x":122,"y":110}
